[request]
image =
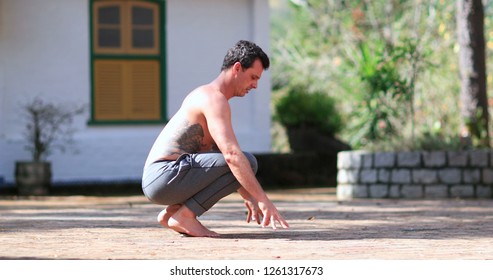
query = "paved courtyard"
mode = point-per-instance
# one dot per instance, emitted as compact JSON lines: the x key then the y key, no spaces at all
{"x":81,"y":227}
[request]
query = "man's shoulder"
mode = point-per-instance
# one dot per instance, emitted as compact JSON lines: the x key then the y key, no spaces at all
{"x":207,"y":95}
{"x":208,"y":102}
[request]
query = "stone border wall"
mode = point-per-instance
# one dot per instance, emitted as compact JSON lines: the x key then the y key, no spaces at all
{"x":440,"y":174}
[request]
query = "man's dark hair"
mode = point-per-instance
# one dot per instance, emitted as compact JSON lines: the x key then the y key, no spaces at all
{"x":245,"y":53}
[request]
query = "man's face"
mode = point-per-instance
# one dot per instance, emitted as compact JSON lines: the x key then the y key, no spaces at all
{"x":248,"y":78}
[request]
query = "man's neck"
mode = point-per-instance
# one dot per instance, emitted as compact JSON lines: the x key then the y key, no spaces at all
{"x":223,"y":84}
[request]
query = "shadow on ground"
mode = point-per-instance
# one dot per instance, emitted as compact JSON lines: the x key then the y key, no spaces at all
{"x":314,"y":220}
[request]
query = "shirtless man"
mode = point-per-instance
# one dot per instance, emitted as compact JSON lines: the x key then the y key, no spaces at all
{"x":196,"y":160}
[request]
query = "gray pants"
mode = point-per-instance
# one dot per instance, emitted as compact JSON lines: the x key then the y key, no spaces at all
{"x":197,"y":180}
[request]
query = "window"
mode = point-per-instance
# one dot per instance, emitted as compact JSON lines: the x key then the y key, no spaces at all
{"x":127,"y":61}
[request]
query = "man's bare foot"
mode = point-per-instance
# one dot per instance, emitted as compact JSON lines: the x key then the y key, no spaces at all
{"x":164,"y":215}
{"x":185,"y":221}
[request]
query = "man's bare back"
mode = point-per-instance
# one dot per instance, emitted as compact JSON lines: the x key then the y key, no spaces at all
{"x":187,"y":131}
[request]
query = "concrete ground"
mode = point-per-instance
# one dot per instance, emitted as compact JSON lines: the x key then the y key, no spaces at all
{"x":81,"y":227}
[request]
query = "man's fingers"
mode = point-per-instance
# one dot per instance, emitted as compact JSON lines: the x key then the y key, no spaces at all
{"x":283,"y":223}
{"x":266,"y":221}
{"x":273,"y":222}
{"x":249,"y":214}
{"x":258,"y":217}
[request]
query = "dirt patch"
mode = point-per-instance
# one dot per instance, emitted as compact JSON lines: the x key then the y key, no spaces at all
{"x":81,"y":227}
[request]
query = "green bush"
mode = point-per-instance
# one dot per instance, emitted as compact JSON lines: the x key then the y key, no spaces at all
{"x":300,"y":108}
{"x":413,"y":43}
{"x":385,"y":104}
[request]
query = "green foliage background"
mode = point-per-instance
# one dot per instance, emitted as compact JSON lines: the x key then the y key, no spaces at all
{"x":332,"y":46}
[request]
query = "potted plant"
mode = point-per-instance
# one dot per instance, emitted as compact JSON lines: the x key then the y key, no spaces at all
{"x":48,"y":127}
{"x":311,"y":120}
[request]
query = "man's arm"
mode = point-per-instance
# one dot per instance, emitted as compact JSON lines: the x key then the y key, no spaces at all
{"x":218,"y":116}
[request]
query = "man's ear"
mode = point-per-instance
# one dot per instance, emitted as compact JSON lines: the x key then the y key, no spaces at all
{"x":237,"y":67}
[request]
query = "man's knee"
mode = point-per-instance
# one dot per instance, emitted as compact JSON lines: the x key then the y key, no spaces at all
{"x":253,"y":161}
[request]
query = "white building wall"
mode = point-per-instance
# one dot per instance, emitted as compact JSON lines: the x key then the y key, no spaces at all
{"x":44,"y":51}
{"x":2,"y":95}
{"x":2,"y":67}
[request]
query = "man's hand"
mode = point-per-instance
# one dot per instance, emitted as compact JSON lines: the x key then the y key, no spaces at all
{"x":265,"y":211}
{"x":271,"y":215}
{"x":251,"y":204}
{"x":254,"y":212}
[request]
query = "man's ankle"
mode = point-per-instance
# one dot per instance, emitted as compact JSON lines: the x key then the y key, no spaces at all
{"x":184,"y":211}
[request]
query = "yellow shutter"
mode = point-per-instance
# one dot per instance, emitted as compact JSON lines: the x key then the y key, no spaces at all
{"x":127,"y":90}
{"x":108,"y":90}
{"x":144,"y":90}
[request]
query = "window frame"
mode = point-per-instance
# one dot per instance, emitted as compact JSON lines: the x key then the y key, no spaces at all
{"x":129,"y":55}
